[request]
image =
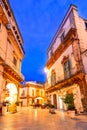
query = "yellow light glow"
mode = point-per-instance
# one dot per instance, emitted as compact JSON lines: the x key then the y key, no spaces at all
{"x":12,"y":92}
{"x":11,"y":88}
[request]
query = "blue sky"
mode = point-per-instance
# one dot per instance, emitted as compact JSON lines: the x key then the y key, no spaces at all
{"x":38,"y":21}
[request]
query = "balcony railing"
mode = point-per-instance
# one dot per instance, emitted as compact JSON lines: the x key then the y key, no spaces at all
{"x":67,"y":74}
{"x":69,"y":36}
{"x":58,"y":41}
{"x":67,"y":29}
{"x":72,"y":72}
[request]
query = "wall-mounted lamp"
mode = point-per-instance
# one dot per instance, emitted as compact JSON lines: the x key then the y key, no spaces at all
{"x":45,"y":70}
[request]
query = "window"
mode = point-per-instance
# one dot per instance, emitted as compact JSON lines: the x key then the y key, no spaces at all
{"x":41,"y":92}
{"x":23,"y":93}
{"x":53,"y":78}
{"x":32,"y":92}
{"x":67,"y":69}
{"x":85,"y":25}
{"x":62,"y":36}
{"x":51,"y":52}
{"x":0,"y":26}
{"x":15,"y":61}
{"x":37,"y":92}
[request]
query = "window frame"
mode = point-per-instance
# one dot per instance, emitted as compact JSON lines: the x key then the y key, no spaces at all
{"x":86,"y":25}
{"x":62,"y":36}
{"x":15,"y":61}
{"x":66,"y":67}
{"x":53,"y":78}
{"x":32,"y":92}
{"x":0,"y":26}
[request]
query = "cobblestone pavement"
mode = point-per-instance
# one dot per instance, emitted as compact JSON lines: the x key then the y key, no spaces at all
{"x":41,"y":119}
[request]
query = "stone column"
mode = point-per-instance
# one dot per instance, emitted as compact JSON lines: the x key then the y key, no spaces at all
{"x":57,"y":101}
{"x":2,"y":84}
{"x":77,"y":55}
{"x":83,"y":89}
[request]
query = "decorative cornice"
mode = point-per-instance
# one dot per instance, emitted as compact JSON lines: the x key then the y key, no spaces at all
{"x":62,"y":47}
{"x":65,"y":58}
{"x":12,"y":73}
{"x":77,"y":78}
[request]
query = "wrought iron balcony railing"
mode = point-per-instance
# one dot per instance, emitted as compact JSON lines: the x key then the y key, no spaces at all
{"x":68,"y":74}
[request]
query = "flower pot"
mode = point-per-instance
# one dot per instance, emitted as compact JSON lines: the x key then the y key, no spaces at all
{"x":52,"y":110}
{"x":4,"y":110}
{"x":18,"y":108}
{"x":71,"y":113}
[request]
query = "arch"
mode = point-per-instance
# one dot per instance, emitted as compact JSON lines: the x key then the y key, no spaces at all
{"x":12,"y":89}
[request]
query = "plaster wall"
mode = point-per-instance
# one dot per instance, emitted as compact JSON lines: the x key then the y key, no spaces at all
{"x":58,"y":67}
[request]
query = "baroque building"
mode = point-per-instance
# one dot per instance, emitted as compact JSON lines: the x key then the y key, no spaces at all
{"x":11,"y":54}
{"x":32,"y":93}
{"x":67,"y":62}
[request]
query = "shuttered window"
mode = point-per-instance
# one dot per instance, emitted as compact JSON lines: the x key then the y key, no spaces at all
{"x":67,"y":69}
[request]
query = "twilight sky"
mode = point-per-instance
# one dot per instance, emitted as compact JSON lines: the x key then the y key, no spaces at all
{"x":38,"y":21}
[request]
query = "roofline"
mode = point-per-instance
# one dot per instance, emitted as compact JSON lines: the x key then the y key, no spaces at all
{"x":15,"y":21}
{"x":34,"y":82}
{"x":83,"y":19}
{"x":61,"y":24}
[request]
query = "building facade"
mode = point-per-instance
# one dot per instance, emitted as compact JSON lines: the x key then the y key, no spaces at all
{"x":67,"y":61}
{"x":32,"y":93}
{"x":11,"y":54}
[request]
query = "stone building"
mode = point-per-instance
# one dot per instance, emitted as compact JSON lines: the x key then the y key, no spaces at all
{"x":32,"y":93}
{"x":67,"y":61}
{"x":11,"y":54}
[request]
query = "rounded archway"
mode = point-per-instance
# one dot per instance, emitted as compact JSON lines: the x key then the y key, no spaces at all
{"x":12,"y":89}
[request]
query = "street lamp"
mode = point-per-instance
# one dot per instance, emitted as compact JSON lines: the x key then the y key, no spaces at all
{"x":45,"y":70}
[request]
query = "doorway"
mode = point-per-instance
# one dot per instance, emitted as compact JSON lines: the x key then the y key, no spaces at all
{"x":55,"y":100}
{"x":60,"y":103}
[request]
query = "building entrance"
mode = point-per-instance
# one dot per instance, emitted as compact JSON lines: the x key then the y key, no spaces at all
{"x":12,"y":96}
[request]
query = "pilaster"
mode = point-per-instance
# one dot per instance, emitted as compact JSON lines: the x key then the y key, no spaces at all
{"x":83,"y":89}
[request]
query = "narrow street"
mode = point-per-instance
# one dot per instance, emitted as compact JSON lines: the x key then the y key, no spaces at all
{"x":41,"y":119}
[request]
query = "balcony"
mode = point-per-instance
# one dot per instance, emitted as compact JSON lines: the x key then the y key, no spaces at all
{"x":10,"y":24}
{"x":12,"y":70}
{"x":72,"y":76}
{"x":4,"y":10}
{"x":69,"y":37}
{"x":67,"y":74}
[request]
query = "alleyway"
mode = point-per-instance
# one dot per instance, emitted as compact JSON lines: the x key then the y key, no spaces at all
{"x":41,"y":119}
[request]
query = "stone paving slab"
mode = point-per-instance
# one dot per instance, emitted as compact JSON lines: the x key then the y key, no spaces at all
{"x":41,"y":119}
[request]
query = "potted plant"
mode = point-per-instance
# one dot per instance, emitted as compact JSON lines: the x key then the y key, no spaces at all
{"x":4,"y":107}
{"x":51,"y":109}
{"x":69,"y":101}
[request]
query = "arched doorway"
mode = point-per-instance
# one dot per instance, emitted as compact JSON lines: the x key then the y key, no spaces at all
{"x":12,"y":97}
{"x":60,"y":103}
{"x":39,"y":101}
{"x":12,"y":89}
